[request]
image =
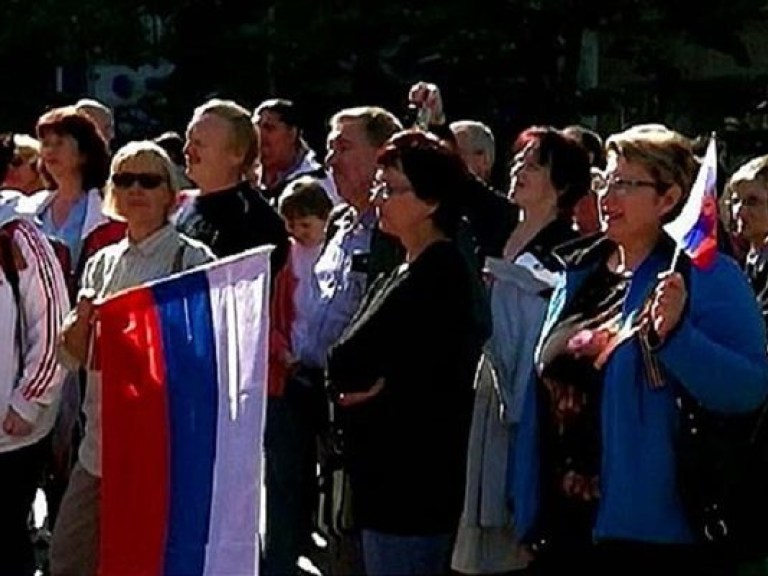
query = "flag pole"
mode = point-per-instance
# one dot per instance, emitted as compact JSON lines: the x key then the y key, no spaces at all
{"x":675,"y":258}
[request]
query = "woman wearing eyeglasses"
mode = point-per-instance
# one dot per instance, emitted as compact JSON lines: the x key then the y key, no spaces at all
{"x":596,"y":485}
{"x":401,"y":373}
{"x":142,"y":191}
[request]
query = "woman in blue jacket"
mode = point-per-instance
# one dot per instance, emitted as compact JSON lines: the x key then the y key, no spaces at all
{"x":595,"y":484}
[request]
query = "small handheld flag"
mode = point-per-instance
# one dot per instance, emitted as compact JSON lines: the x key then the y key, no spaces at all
{"x":695,"y":229}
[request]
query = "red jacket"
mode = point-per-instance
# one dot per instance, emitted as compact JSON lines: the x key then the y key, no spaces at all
{"x":282,"y":315}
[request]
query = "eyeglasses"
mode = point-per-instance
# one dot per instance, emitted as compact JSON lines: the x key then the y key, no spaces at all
{"x":385,"y":191}
{"x":146,"y":180}
{"x":17,"y":162}
{"x":602,"y":184}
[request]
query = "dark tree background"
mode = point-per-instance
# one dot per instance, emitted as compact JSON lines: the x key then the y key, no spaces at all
{"x":509,"y":63}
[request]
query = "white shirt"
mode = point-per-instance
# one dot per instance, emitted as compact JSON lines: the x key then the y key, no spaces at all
{"x":43,"y":303}
{"x":116,"y":268}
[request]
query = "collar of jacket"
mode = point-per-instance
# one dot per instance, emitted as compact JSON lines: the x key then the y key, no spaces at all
{"x":586,"y":252}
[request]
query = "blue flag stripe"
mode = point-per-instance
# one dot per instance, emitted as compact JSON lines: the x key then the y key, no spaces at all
{"x":185,"y":316}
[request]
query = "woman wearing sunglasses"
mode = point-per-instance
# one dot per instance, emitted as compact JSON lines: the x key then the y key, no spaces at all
{"x":596,"y":484}
{"x":142,"y":191}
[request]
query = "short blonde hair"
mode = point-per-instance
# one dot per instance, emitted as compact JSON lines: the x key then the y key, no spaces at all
{"x":245,"y":136}
{"x":28,"y":147}
{"x":139,"y":150}
{"x":666,"y":154}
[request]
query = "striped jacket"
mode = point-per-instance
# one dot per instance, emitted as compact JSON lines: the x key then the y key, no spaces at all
{"x":33,"y":393}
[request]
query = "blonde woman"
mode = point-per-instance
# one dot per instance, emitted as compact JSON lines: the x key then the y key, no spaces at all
{"x":142,"y":191}
{"x":596,"y":460}
{"x":23,"y":171}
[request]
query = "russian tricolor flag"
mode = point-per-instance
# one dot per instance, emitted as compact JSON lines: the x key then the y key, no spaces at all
{"x":184,"y":388}
{"x":695,"y":229}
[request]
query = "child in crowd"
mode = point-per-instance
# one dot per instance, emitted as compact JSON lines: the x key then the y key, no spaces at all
{"x":305,"y":207}
{"x":292,"y":408}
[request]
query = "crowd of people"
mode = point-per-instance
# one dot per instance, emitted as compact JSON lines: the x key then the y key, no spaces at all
{"x":460,"y":380}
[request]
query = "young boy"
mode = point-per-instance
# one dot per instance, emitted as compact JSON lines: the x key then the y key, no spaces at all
{"x":304,"y":206}
{"x":293,"y":406}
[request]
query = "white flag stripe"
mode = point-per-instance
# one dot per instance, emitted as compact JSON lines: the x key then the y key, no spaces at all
{"x":706,"y":182}
{"x":239,"y":302}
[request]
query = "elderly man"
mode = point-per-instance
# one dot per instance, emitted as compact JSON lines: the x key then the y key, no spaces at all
{"x":477,"y":147}
{"x":356,"y":252}
{"x":491,"y":215}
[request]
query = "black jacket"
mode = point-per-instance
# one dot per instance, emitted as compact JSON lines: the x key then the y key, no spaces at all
{"x":406,"y":447}
{"x":234,"y":220}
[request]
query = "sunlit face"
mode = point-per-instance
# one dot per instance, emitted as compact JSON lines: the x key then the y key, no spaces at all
{"x":210,"y":150}
{"x":400,"y":211}
{"x":635,"y":204}
{"x":142,"y":192}
{"x":61,"y":155}
{"x":22,"y":174}
{"x":530,"y":182}
{"x":749,"y":211}
{"x":351,"y":159}
{"x":306,"y":230}
{"x":278,"y":140}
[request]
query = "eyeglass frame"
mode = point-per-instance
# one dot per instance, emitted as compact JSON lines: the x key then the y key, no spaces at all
{"x":386,"y":191}
{"x":623,"y":186}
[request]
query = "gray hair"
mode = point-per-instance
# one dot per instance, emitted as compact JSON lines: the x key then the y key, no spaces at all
{"x":480,"y":137}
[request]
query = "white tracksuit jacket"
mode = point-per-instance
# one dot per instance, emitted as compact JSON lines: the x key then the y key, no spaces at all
{"x":34,"y":393}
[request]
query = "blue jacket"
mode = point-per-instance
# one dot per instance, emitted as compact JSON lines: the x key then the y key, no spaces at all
{"x":717,"y":352}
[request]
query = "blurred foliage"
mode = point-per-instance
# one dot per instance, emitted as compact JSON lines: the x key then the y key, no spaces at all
{"x":507,"y":62}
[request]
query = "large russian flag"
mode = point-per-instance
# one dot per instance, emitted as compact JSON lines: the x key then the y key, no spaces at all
{"x":184,"y":387}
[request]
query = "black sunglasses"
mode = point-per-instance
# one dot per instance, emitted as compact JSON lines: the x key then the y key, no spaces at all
{"x":146,"y":180}
{"x":17,"y":161}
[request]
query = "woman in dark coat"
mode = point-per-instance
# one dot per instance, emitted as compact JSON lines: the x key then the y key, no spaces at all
{"x":402,"y":372}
